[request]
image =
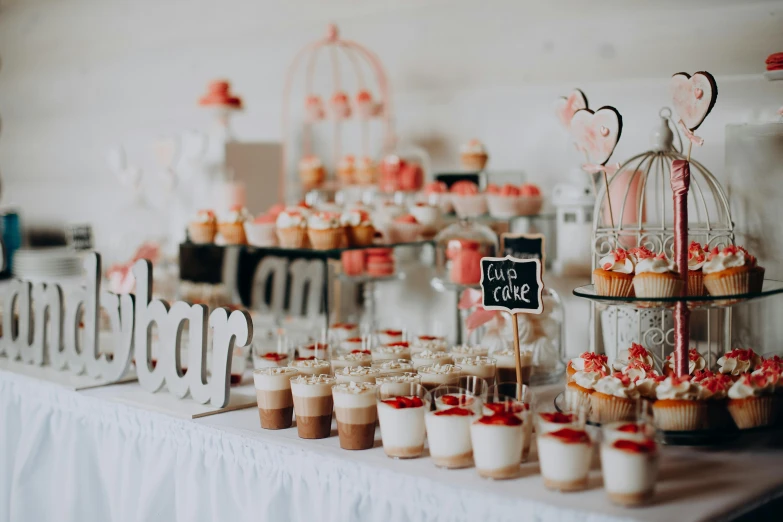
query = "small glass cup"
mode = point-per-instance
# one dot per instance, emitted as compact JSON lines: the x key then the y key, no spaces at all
{"x":476,"y":386}
{"x":398,"y":384}
{"x":313,"y":350}
{"x":401,"y":418}
{"x":271,"y":349}
{"x":274,"y":397}
{"x":524,"y":398}
{"x":448,"y":426}
{"x":479,"y":366}
{"x":313,"y":404}
{"x":356,"y":413}
{"x":498,"y":440}
{"x":565,"y":454}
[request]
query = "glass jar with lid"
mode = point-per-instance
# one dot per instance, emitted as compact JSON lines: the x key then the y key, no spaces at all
{"x":458,"y":252}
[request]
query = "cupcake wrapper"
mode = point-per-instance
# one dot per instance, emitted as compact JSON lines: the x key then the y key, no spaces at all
{"x":613,"y":286}
{"x":729,"y":284}
{"x":326,"y":239}
{"x":530,"y":205}
{"x":311,"y":177}
{"x":577,"y":399}
{"x":753,"y":412}
{"x":611,"y":409}
{"x":202,"y":233}
{"x":503,"y":206}
{"x":360,"y":236}
{"x":469,"y":206}
{"x":261,"y":234}
{"x":292,"y":237}
{"x":695,"y":282}
{"x":756,"y":281}
{"x":233,"y":233}
{"x":689,"y":416}
{"x":474,"y":161}
{"x":656,"y":286}
{"x":404,"y":232}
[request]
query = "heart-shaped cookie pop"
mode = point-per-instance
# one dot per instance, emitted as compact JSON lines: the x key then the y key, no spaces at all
{"x":597,"y":133}
{"x":693,"y":97}
{"x":566,"y":106}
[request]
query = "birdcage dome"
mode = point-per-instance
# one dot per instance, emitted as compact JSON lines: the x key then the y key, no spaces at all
{"x":642,"y":208}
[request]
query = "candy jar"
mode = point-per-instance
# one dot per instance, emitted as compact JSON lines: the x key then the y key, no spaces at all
{"x":458,"y":252}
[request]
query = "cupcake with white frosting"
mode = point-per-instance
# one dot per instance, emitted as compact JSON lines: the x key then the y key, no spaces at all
{"x":636,"y":352}
{"x":203,"y":228}
{"x":644,"y":377}
{"x":752,"y":402}
{"x":358,"y":227}
{"x":697,"y":256}
{"x":695,"y":363}
{"x":473,"y":155}
{"x":681,"y":405}
{"x":325,"y":231}
{"x":655,"y":276}
{"x":727,"y":271}
{"x":614,"y":275}
{"x":291,"y":227}
{"x":580,"y":387}
{"x":738,"y":361}
{"x":614,"y":398}
{"x":588,"y":362}
{"x":231,"y":225}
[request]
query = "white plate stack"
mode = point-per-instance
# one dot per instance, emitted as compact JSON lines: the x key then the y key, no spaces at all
{"x":47,"y":263}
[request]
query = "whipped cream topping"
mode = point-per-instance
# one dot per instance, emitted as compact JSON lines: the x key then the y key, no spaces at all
{"x":405,"y":377}
{"x":729,"y":257}
{"x":294,"y":217}
{"x":428,"y":354}
{"x":275,"y":370}
{"x":313,"y":379}
{"x":591,"y":362}
{"x":587,"y":380}
{"x":205,"y":216}
{"x":440,"y":369}
{"x":355,"y":218}
{"x":475,"y":361}
{"x":696,"y":256}
{"x":236,"y":215}
{"x":751,"y":386}
{"x":618,"y":261}
{"x":648,"y":386}
{"x":695,"y":361}
{"x":636,"y":352}
{"x":617,"y":385}
{"x":715,"y":386}
{"x":354,"y":387}
{"x":391,"y":349}
{"x":395,"y":365}
{"x":654,"y":265}
{"x":430,"y":343}
{"x":323,"y":221}
{"x":638,"y":370}
{"x":466,"y":350}
{"x":310,"y":363}
{"x":473,"y":147}
{"x":358,"y":370}
{"x":680,"y":388}
{"x":738,"y":361}
{"x":353,"y":357}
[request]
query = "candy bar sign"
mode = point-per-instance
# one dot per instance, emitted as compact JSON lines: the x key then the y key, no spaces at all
{"x":511,"y":284}
{"x":47,"y":331}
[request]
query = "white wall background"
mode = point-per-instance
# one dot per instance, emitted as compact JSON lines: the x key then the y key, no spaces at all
{"x":79,"y":76}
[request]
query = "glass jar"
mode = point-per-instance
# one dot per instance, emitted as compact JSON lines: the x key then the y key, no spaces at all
{"x":458,"y":252}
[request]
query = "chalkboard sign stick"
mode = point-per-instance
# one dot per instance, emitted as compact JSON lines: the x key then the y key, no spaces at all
{"x":517,"y":355}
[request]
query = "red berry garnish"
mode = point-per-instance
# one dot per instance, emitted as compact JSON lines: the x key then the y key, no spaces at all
{"x":363,"y":352}
{"x":310,"y":358}
{"x":501,"y":419}
{"x":272,"y":356}
{"x":630,"y":428}
{"x":647,"y":446}
{"x":456,"y":400}
{"x":461,"y":412}
{"x":506,"y":407}
{"x":400,"y":344}
{"x":393,"y":333}
{"x":402,"y":402}
{"x":428,"y":338}
{"x":557,"y":417}
{"x":570,"y":436}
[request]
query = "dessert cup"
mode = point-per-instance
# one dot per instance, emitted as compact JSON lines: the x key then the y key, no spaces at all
{"x":273,"y":393}
{"x":398,"y":384}
{"x":401,"y":419}
{"x":507,"y":365}
{"x":391,"y":352}
{"x":339,"y":332}
{"x":498,"y":441}
{"x":433,"y":343}
{"x":359,"y":358}
{"x":395,"y":367}
{"x":357,"y":374}
{"x":313,"y":351}
{"x":630,"y":470}
{"x":436,"y":375}
{"x":429,"y":358}
{"x":313,"y":405}
{"x":482,"y":367}
{"x":312,"y":366}
{"x":565,"y":456}
{"x":389,"y":336}
{"x":465,"y":350}
{"x":518,"y":399}
{"x":356,"y":412}
{"x":448,"y":429}
{"x":549,"y":421}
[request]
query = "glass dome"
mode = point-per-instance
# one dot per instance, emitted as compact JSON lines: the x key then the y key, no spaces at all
{"x":458,"y":252}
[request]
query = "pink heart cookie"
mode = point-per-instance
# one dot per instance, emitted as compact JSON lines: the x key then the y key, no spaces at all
{"x":597,"y":133}
{"x":567,"y":106}
{"x":693,"y":97}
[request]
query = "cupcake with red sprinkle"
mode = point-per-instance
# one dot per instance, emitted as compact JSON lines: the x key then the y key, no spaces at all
{"x":614,"y":275}
{"x":727,"y":271}
{"x":697,"y":256}
{"x":752,"y":402}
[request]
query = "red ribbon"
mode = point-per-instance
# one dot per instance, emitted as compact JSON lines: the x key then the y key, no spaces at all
{"x":681,"y":180}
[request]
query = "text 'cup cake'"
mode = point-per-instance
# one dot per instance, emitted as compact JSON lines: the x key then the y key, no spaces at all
{"x":614,"y":275}
{"x":728,"y":271}
{"x":697,"y":256}
{"x":655,"y":275}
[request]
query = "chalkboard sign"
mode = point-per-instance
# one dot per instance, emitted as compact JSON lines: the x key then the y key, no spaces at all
{"x":511,"y":284}
{"x":524,"y":246}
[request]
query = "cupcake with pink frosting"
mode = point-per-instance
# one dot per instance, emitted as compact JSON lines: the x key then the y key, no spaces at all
{"x":503,"y":202}
{"x":467,"y":200}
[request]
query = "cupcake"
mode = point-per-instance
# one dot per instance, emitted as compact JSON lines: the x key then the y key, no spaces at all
{"x":752,"y":401}
{"x":358,"y":227}
{"x":646,"y":381}
{"x":756,"y":281}
{"x":614,"y":276}
{"x":588,"y":362}
{"x":346,"y":170}
{"x":428,"y":217}
{"x":636,"y":352}
{"x":680,"y":406}
{"x":473,"y":155}
{"x":339,"y":106}
{"x":405,"y":229}
{"x":365,"y":171}
{"x":232,"y":226}
{"x":292,"y":227}
{"x":530,"y":199}
{"x":695,"y":363}
{"x":311,"y":172}
{"x":436,"y":193}
{"x":503,"y":202}
{"x":727,"y":271}
{"x":738,"y":362}
{"x":655,"y":277}
{"x":773,"y":365}
{"x":202,"y":230}
{"x":614,"y":398}
{"x":715,"y":388}
{"x":325,"y":231}
{"x":579,"y":389}
{"x":467,"y":200}
{"x":262,"y":231}
{"x":696,"y":259}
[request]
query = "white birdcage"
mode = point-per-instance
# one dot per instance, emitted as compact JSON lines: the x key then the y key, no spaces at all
{"x":642,"y":214}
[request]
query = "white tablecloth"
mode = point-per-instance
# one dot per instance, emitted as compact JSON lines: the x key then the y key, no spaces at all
{"x":79,"y":456}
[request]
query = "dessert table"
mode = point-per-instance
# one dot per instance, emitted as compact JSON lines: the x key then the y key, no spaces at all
{"x":67,"y":455}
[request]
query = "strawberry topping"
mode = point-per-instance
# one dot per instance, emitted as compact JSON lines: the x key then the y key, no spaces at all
{"x":570,"y":436}
{"x":630,"y":428}
{"x":556,"y":417}
{"x":402,"y":402}
{"x":363,"y":352}
{"x":642,"y":252}
{"x":507,"y":407}
{"x":460,"y":412}
{"x":501,"y":419}
{"x":400,"y":344}
{"x":623,"y":378}
{"x":647,"y":446}
{"x":428,"y":338}
{"x":637,"y":351}
{"x":456,"y":400}
{"x":740,"y":354}
{"x":272,"y":356}
{"x":393,"y":333}
{"x":700,"y":375}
